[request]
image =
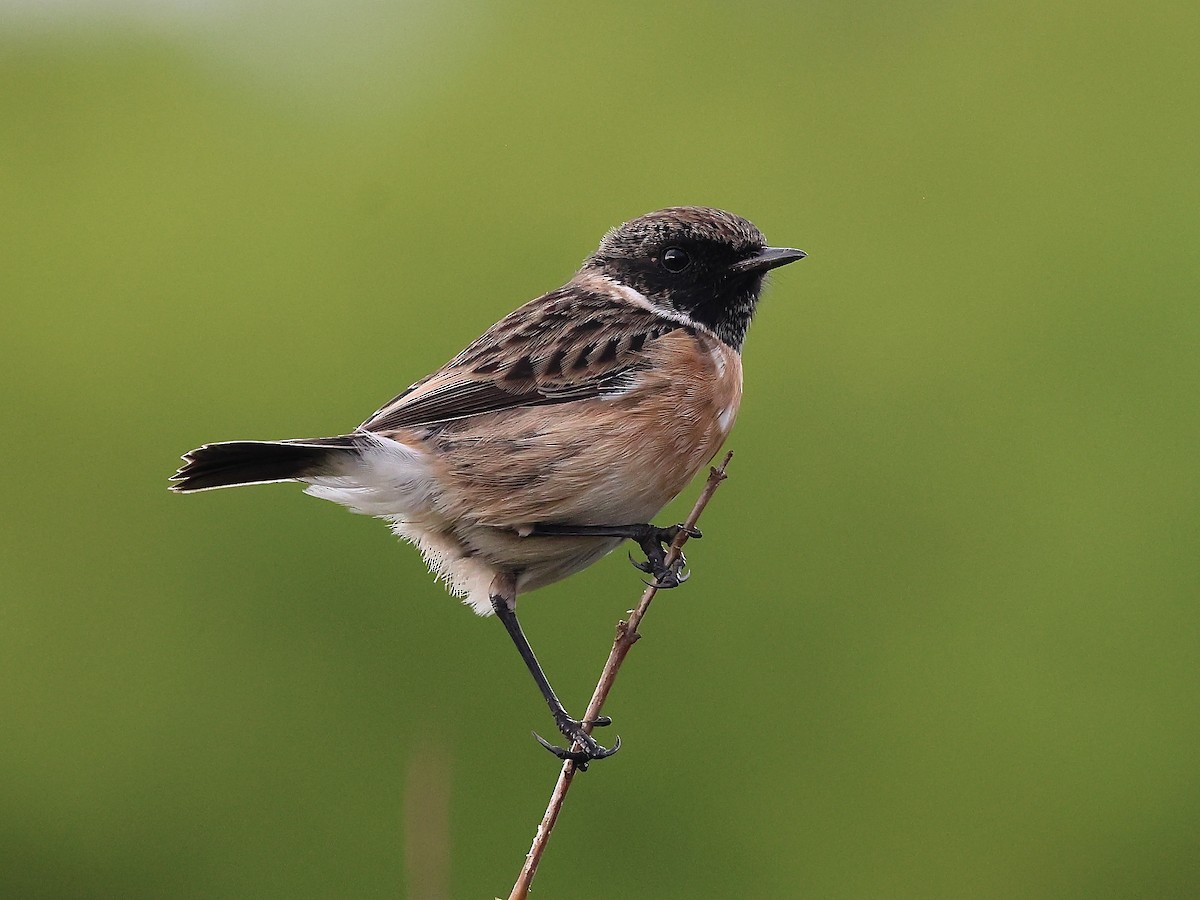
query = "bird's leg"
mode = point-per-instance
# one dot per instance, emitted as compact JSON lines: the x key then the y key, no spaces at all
{"x":504,"y":602}
{"x":651,"y":538}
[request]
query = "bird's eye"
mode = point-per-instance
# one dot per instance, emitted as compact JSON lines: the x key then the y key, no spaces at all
{"x":675,"y":260}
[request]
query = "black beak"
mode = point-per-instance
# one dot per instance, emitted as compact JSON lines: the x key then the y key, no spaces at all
{"x":768,"y":258}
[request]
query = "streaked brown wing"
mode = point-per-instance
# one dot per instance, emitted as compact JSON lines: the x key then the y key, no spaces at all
{"x":570,"y":344}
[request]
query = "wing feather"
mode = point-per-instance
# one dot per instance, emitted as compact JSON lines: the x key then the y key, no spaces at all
{"x":570,"y":344}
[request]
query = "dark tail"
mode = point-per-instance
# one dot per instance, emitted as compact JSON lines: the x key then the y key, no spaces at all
{"x":258,"y":462}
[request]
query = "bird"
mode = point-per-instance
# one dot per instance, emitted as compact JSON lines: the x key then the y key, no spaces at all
{"x":558,"y":433}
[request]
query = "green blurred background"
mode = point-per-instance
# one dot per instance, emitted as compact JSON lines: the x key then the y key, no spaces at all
{"x":942,"y":637}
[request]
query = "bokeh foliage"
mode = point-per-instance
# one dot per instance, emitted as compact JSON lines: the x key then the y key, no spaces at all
{"x":942,"y":638}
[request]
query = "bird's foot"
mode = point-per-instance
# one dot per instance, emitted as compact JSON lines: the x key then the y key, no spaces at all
{"x":655,"y":543}
{"x":589,"y":749}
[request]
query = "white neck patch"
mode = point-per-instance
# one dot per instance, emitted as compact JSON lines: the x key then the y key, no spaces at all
{"x":637,"y":298}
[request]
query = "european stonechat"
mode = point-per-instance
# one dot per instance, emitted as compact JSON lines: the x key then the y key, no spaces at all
{"x":526,"y":457}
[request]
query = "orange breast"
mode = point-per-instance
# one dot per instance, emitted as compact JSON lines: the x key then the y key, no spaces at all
{"x":610,"y":460}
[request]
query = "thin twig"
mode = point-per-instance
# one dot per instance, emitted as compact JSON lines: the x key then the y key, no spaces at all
{"x":627,"y":635}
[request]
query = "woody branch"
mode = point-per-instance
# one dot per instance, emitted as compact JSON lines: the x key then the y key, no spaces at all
{"x":626,"y":636}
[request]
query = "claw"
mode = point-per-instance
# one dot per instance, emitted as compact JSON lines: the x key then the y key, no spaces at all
{"x":667,"y":582}
{"x":672,"y":579}
{"x":591,"y":750}
{"x":643,"y":566}
{"x":577,"y":756}
{"x":653,"y":544}
{"x":666,"y":577}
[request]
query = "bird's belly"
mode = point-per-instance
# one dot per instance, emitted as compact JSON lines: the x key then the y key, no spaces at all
{"x":538,"y":561}
{"x":543,"y":468}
